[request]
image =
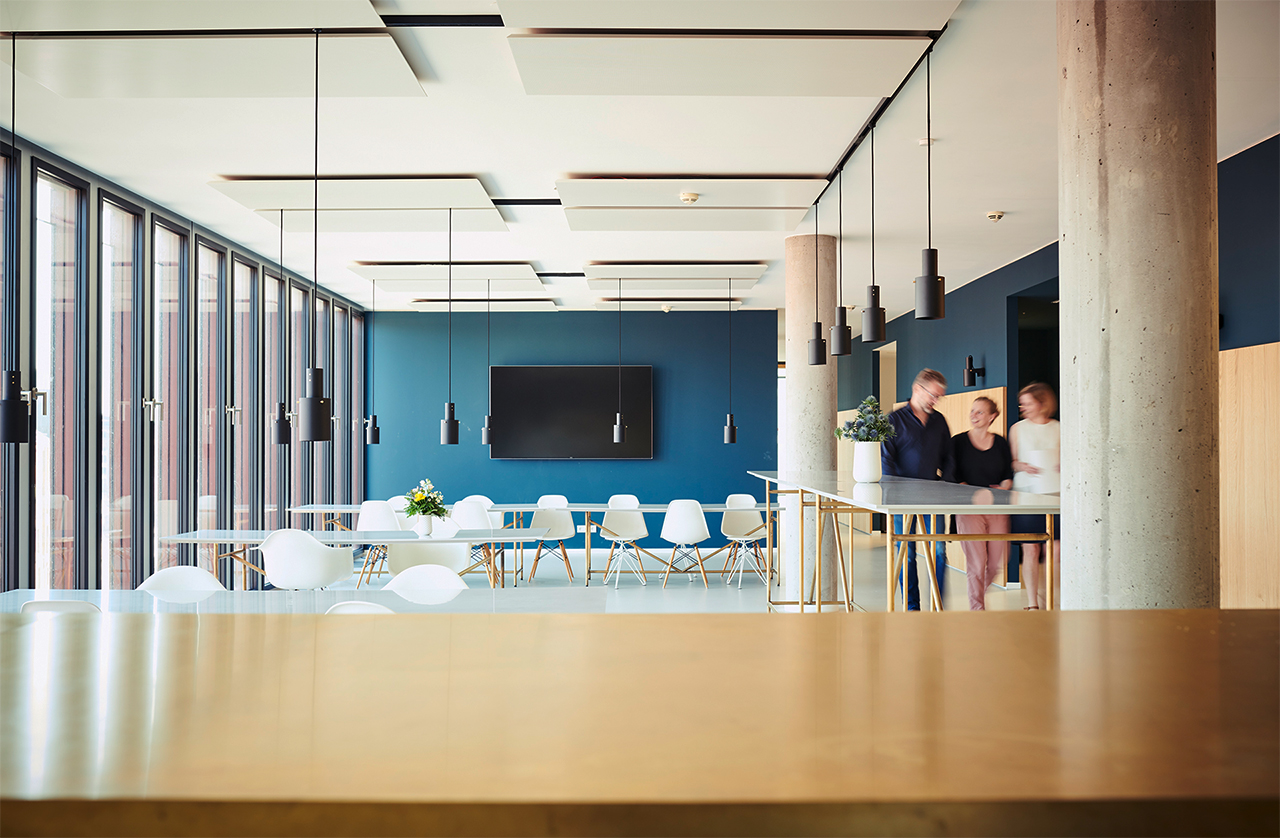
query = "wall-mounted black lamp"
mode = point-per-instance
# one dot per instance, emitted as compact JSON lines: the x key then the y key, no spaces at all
{"x":971,"y":372}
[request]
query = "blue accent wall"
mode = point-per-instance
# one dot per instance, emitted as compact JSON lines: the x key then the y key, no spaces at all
{"x":982,"y":319}
{"x":689,"y":355}
{"x":1249,"y":246}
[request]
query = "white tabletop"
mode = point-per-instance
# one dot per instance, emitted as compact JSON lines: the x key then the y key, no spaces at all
{"x":259,"y":536}
{"x":349,"y":508}
{"x":472,"y":600}
{"x":906,"y":495}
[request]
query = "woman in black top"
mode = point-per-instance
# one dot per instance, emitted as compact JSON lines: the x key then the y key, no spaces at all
{"x":983,"y":459}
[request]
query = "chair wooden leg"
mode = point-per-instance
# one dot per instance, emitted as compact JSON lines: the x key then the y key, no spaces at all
{"x":670,"y":564}
{"x":635,"y":549}
{"x":697,"y":552}
{"x":564,"y":554}
{"x":536,"y":554}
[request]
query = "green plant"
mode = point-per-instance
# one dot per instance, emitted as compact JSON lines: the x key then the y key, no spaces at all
{"x":870,"y":426}
{"x":425,"y":499}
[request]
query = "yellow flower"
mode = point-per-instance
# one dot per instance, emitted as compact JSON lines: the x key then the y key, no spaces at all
{"x":418,"y":495}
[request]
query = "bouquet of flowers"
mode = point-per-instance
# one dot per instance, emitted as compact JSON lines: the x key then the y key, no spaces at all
{"x":870,"y":426}
{"x":425,"y":499}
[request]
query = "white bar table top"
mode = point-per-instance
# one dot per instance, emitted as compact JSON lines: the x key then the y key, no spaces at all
{"x":348,"y":508}
{"x":907,"y":495}
{"x":258,"y":536}
{"x":472,"y":600}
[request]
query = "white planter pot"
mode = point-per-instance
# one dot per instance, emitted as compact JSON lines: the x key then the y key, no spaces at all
{"x":421,"y":525}
{"x":866,"y":462}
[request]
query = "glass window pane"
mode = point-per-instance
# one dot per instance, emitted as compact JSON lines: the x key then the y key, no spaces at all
{"x":168,"y":252}
{"x":56,"y":266}
{"x":341,"y":406}
{"x":271,"y":398}
{"x":119,"y":414}
{"x":208,"y":404}
{"x":299,"y":491}
{"x":244,"y":383}
{"x":4,"y":286}
{"x":357,"y":407}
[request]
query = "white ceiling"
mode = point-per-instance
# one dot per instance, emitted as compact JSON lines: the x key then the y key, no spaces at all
{"x":994,"y":117}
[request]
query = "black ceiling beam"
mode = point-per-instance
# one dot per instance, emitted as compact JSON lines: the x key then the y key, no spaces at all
{"x":526,"y":202}
{"x":427,"y":21}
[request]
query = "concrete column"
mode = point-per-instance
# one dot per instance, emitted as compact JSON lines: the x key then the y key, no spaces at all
{"x":1138,"y":201}
{"x":810,"y":413}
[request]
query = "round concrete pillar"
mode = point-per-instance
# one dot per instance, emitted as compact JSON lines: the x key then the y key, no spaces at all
{"x":810,"y":413}
{"x":1138,"y":201}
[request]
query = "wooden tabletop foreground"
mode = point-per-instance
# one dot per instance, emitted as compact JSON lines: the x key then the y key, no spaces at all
{"x":999,"y":723}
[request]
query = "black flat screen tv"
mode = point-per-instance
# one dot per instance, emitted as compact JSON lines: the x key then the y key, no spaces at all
{"x":567,"y":413}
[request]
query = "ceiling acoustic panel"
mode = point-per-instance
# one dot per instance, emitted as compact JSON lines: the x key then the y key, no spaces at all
{"x":356,"y":193}
{"x":164,"y":15}
{"x":678,"y":287}
{"x":480,"y":306}
{"x":679,"y":271}
{"x":652,"y":219}
{"x":390,"y":221}
{"x":692,"y":65}
{"x":791,"y":193}
{"x":365,"y":65}
{"x":918,"y":15}
{"x":669,"y":304}
{"x":385,"y":272}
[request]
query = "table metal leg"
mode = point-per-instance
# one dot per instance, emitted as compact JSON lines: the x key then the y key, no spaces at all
{"x":892,"y":589}
{"x":817,"y":554}
{"x":587,"y":543}
{"x":1050,"y":561}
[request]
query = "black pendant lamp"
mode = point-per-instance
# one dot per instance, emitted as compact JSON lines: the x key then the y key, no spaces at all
{"x":619,"y":424}
{"x":730,"y":429}
{"x":873,"y":326}
{"x":372,"y":433}
{"x":486,"y":433}
{"x":282,"y":427}
{"x":841,"y":334}
{"x":817,"y":344}
{"x":314,"y":410}
{"x":15,"y":411}
{"x":931,"y":290}
{"x":449,"y":425}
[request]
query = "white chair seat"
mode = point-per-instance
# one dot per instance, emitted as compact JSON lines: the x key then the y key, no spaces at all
{"x":355,"y":606}
{"x":427,"y":584}
{"x":295,"y":560}
{"x":60,"y":606}
{"x":743,"y":525}
{"x":553,"y":514}
{"x":685,"y":527}
{"x":182,"y":578}
{"x":624,"y":528}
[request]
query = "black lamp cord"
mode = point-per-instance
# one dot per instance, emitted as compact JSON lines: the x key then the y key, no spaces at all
{"x":728,"y":304}
{"x":619,"y":344}
{"x":816,"y":315}
{"x":928,"y":149}
{"x":840,"y":240}
{"x":873,"y":206}
{"x":370,"y":333}
{"x":449,"y":297}
{"x":488,"y":335}
{"x":315,"y":211}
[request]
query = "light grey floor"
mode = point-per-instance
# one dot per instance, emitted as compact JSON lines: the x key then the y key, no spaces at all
{"x":685,"y":592}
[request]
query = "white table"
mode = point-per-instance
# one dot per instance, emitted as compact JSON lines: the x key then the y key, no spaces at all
{"x":835,"y":492}
{"x":587,"y":509}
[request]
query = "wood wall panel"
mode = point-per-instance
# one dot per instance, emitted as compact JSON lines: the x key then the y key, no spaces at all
{"x":1249,"y":452}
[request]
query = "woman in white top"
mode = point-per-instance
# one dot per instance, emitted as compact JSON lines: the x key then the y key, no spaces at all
{"x":1037,"y":468}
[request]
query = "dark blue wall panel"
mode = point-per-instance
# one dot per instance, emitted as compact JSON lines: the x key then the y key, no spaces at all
{"x":689,"y":355}
{"x":1249,"y":246}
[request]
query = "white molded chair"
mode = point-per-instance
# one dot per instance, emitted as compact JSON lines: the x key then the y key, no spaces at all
{"x":684,"y":527}
{"x":60,"y":606}
{"x":553,"y":513}
{"x":374,"y":516}
{"x":743,"y":525}
{"x":402,"y":555}
{"x":472,"y":515}
{"x":295,"y":560}
{"x":182,"y":578}
{"x":624,"y":529}
{"x":495,"y":518}
{"x":355,"y":606}
{"x":427,"y":584}
{"x":399,"y":503}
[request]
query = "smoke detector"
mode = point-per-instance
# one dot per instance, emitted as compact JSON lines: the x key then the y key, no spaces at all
{"x":689,"y":197}
{"x":667,"y":309}
{"x":995,"y":215}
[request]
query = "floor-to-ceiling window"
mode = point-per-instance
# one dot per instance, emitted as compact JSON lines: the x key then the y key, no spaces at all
{"x":357,"y":407}
{"x":243,"y":368}
{"x":274,"y":453}
{"x":168,"y":268}
{"x":5,"y":363}
{"x":299,"y":491}
{"x":120,"y":268}
{"x":208,"y":407}
{"x":58,"y":263}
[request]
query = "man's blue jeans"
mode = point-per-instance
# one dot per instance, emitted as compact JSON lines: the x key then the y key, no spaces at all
{"x":932,"y":524}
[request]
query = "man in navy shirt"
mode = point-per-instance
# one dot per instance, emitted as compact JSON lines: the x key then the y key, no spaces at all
{"x":921,"y":447}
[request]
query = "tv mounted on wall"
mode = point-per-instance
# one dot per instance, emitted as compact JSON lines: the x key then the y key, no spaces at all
{"x":567,"y":413}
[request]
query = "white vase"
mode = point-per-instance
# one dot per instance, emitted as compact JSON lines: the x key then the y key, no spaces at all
{"x":866,"y":462}
{"x":422,"y":525}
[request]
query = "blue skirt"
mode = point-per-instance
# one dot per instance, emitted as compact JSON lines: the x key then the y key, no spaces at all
{"x":1034,"y":523}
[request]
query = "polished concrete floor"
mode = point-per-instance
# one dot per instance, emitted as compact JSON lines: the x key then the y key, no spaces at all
{"x":685,"y":592}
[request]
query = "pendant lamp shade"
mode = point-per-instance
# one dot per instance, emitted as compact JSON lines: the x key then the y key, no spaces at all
{"x":730,"y":430}
{"x":486,"y":433}
{"x":873,"y":325}
{"x":841,"y":333}
{"x":15,"y":413}
{"x":619,"y":430}
{"x":448,"y":426}
{"x":817,"y":344}
{"x":283,"y":427}
{"x":314,"y":410}
{"x":372,"y":433}
{"x":931,"y":292}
